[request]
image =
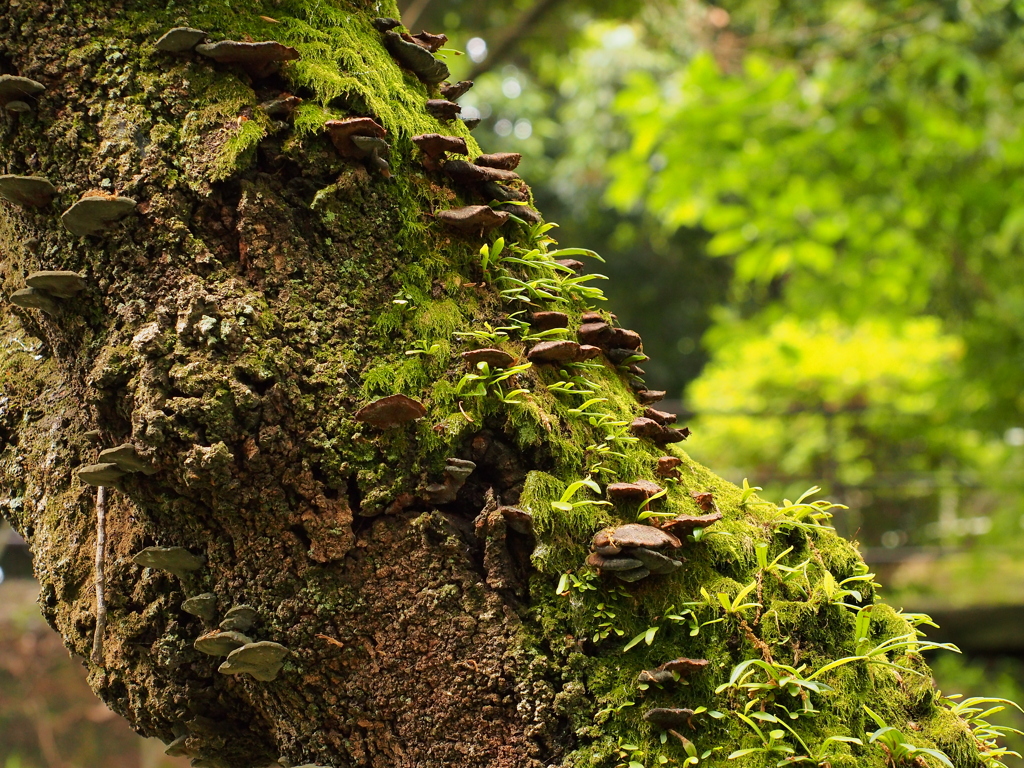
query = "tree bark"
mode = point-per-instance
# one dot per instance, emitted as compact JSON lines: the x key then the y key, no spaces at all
{"x":263,"y":291}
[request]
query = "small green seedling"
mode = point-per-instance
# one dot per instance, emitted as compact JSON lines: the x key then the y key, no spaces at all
{"x":647,"y":637}
{"x":422,"y":347}
{"x":898,"y":748}
{"x":748,"y":491}
{"x":565,"y":502}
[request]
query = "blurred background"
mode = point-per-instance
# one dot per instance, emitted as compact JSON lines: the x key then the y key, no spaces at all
{"x":812,"y":211}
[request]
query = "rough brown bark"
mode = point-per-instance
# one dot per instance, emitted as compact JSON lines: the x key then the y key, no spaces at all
{"x":231,"y":328}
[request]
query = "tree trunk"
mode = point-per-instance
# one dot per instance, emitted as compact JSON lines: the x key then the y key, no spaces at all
{"x":263,"y":290}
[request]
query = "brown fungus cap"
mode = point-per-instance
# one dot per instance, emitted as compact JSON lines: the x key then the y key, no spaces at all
{"x":546,"y":321}
{"x":465,"y":172}
{"x":666,"y":718}
{"x":431,"y":42}
{"x":519,"y":520}
{"x":635,"y":535}
{"x":662,"y":417}
{"x":180,"y":39}
{"x":506,"y":161}
{"x":391,"y":411}
{"x":454,"y":91}
{"x":684,"y":667}
{"x":471,"y":122}
{"x":16,"y":89}
{"x":657,"y":433}
{"x":589,"y":352}
{"x":435,"y":145}
{"x":574,"y":264}
{"x":95,"y":213}
{"x":442,"y":109}
{"x":60,"y":283}
{"x":176,"y":560}
{"x":342,"y":131}
{"x":638,"y":491}
{"x":473,"y":218}
{"x":262,"y":660}
{"x":650,"y":396}
{"x":616,"y":563}
{"x":257,"y":59}
{"x":667,"y":467}
{"x":554,"y":352}
{"x":686,"y":524}
{"x":496,"y":358}
{"x":415,"y":58}
{"x":26,"y":191}
{"x":32,"y":298}
{"x":127,"y":459}
{"x":384,"y":23}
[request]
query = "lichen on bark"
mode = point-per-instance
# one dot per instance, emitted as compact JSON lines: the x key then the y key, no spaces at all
{"x":266,"y":289}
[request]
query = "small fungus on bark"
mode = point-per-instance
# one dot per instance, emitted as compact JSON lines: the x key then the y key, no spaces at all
{"x":176,"y":560}
{"x":467,"y":173}
{"x":650,"y":396}
{"x":376,"y":150}
{"x":473,"y":218}
{"x":635,"y":535}
{"x":434,"y":147}
{"x":666,"y":718}
{"x":342,"y":132}
{"x":95,"y":213}
{"x":496,"y":358}
{"x":684,"y":525}
{"x":31,"y":298}
{"x":16,"y":91}
{"x":442,"y":109}
{"x":431,"y":42}
{"x":658,"y":434}
{"x":262,"y":660}
{"x":546,"y":321}
{"x":106,"y":473}
{"x":454,"y":91}
{"x":60,"y":284}
{"x":456,"y":472}
{"x":204,"y":606}
{"x":415,"y":58}
{"x":259,"y":60}
{"x":662,"y":417}
{"x":667,"y":467}
{"x":554,"y":352}
{"x":180,"y":40}
{"x":519,"y":520}
{"x":655,"y":562}
{"x":127,"y":459}
{"x":506,"y":161}
{"x":588,"y":352}
{"x":281,"y":106}
{"x":471,"y":122}
{"x":220,"y":643}
{"x":26,"y":191}
{"x":383,"y":24}
{"x":635,"y":492}
{"x":239,"y":619}
{"x":391,"y":411}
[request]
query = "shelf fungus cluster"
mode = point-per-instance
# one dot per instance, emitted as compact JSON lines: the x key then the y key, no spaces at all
{"x":456,"y":472}
{"x":361,"y":138}
{"x":634,"y":551}
{"x":46,"y":289}
{"x":261,"y":659}
{"x":258,"y":59}
{"x":114,"y":463}
{"x":18,"y":93}
{"x":672,"y":671}
{"x":414,"y":52}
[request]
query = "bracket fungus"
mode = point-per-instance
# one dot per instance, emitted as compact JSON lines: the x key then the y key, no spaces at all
{"x":631,"y":552}
{"x":683,"y":525}
{"x":376,"y":150}
{"x":342,"y":131}
{"x":471,"y":122}
{"x":574,"y":264}
{"x":632,"y":492}
{"x":176,"y":560}
{"x":31,"y":298}
{"x":506,"y":161}
{"x":456,"y":472}
{"x":220,"y":642}
{"x":15,"y":92}
{"x":662,"y":417}
{"x":668,"y":467}
{"x":473,"y":218}
{"x":60,"y":284}
{"x":442,"y":109}
{"x":383,"y":24}
{"x":658,"y":434}
{"x":26,"y":191}
{"x":257,"y":59}
{"x":262,"y":660}
{"x":415,"y":58}
{"x":239,"y":618}
{"x":391,"y":411}
{"x":465,"y":172}
{"x":281,"y":106}
{"x":554,"y":352}
{"x":435,"y":147}
{"x":180,"y":40}
{"x":496,"y":358}
{"x":100,"y":475}
{"x":519,"y":520}
{"x":650,"y":396}
{"x":547,"y":321}
{"x":204,"y":606}
{"x":454,"y":91}
{"x":666,"y":718}
{"x":606,"y":336}
{"x":95,"y":213}
{"x":428,"y":40}
{"x":127,"y":459}
{"x":588,"y":352}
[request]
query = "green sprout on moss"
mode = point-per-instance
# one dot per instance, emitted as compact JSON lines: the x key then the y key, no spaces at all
{"x":987,"y":734}
{"x":806,"y":516}
{"x":487,"y":335}
{"x":645,"y":512}
{"x":771,"y":744}
{"x":489,"y":381}
{"x":733,"y":606}
{"x":693,"y":757}
{"x":586,"y":581}
{"x":899,"y":751}
{"x":748,"y":491}
{"x":646,"y":637}
{"x":565,"y":502}
{"x":780,"y":679}
{"x":785,"y":574}
{"x":422,"y":347}
{"x":606,"y":625}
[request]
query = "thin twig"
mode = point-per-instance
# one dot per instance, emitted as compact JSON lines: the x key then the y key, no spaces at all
{"x":101,"y":552}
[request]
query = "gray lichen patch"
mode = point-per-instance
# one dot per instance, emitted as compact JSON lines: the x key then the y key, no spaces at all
{"x":220,"y":642}
{"x":95,"y":213}
{"x":31,"y":298}
{"x":180,"y":40}
{"x":62,"y":284}
{"x":26,"y":191}
{"x":262,"y":660}
{"x":176,"y":560}
{"x":103,"y":474}
{"x":127,"y":458}
{"x":204,"y":606}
